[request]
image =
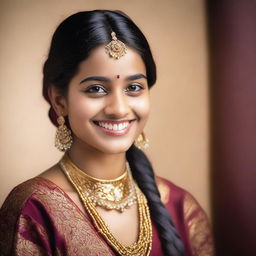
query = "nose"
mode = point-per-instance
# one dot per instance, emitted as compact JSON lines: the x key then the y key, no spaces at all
{"x":117,"y":105}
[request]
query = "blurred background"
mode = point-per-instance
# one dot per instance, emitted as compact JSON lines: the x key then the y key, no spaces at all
{"x":202,"y":128}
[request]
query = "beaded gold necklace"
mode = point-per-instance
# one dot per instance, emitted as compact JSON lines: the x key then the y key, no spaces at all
{"x":142,"y":246}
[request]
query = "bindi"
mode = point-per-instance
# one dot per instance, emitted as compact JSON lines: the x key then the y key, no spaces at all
{"x":118,"y":76}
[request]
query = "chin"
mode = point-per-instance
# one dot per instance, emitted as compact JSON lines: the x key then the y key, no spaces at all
{"x":114,"y":149}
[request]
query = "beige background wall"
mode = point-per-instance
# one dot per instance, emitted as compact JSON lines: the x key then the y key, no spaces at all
{"x":178,"y":127}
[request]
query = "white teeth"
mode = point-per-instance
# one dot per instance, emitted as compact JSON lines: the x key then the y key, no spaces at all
{"x":115,"y":127}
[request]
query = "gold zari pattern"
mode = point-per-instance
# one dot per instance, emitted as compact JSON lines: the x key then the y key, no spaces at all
{"x":195,"y":220}
{"x":116,"y":194}
{"x":65,"y":217}
{"x":24,"y":246}
{"x":144,"y":243}
{"x":199,"y":228}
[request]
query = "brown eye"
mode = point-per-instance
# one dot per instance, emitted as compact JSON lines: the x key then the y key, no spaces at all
{"x":134,"y":88}
{"x":96,"y":89}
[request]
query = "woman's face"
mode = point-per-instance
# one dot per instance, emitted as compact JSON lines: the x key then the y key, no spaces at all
{"x":108,"y":101}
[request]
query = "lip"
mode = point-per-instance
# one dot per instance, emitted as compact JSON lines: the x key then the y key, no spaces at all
{"x":112,"y":132}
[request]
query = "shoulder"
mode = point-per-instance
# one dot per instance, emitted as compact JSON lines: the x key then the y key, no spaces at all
{"x":186,"y":210}
{"x":50,"y":185}
{"x":170,"y":191}
{"x":178,"y":197}
{"x":35,"y":187}
{"x":30,"y":199}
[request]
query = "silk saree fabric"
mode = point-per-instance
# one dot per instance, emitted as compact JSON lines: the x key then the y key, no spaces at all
{"x":39,"y":218}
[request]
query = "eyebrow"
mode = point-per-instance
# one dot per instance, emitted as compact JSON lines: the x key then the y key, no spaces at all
{"x":135,"y":77}
{"x":105,"y":79}
{"x":95,"y":78}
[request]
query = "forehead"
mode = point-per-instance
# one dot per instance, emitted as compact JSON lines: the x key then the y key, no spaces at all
{"x":100,"y":63}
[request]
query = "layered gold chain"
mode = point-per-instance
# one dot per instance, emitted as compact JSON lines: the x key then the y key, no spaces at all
{"x":142,"y":246}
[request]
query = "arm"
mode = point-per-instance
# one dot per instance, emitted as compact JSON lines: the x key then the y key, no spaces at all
{"x":30,"y":238}
{"x":198,"y":228}
{"x":22,"y":233}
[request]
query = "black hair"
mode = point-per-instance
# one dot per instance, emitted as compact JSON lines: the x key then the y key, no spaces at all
{"x":72,"y":43}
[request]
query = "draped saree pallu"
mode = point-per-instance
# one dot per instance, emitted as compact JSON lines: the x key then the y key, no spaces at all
{"x":39,"y":218}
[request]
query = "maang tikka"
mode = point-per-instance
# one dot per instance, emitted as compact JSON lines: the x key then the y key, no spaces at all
{"x":142,"y":141}
{"x":63,"y":138}
{"x":115,"y":48}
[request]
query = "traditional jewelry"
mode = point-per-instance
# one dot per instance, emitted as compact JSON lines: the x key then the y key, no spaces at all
{"x":63,"y":138}
{"x":116,"y":194}
{"x":142,"y":141}
{"x":115,"y":48}
{"x":143,"y":245}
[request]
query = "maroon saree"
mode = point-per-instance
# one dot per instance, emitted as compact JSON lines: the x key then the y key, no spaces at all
{"x":39,"y":218}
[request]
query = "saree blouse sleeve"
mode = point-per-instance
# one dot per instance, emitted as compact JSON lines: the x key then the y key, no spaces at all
{"x":198,"y":227}
{"x":189,"y":218}
{"x":21,"y":232}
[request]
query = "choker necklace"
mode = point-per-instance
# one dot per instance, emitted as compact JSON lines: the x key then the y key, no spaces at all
{"x":115,"y":194}
{"x":143,"y":245}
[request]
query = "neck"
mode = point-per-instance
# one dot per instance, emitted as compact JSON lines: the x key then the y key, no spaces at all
{"x":98,"y":164}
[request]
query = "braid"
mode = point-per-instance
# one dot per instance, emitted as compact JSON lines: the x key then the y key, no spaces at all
{"x":143,"y":174}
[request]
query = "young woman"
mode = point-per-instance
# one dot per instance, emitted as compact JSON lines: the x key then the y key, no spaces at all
{"x":102,"y":198}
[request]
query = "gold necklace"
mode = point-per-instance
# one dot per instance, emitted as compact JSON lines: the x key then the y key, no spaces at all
{"x":115,"y":194}
{"x":143,"y":245}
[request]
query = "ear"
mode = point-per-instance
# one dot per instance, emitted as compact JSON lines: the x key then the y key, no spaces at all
{"x":58,"y":101}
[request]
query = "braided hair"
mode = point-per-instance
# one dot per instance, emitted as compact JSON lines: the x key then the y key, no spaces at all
{"x":71,"y":44}
{"x":143,"y":174}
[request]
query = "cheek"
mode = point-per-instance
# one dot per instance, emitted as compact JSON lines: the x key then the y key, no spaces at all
{"x":81,"y":108}
{"x":141,"y":107}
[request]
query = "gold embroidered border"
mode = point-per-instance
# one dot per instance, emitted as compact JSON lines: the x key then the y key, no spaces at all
{"x":80,"y":236}
{"x":10,"y":213}
{"x":25,"y":247}
{"x":198,"y":226}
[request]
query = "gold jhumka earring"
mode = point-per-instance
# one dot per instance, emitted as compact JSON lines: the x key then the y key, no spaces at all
{"x":63,"y":138}
{"x":142,"y":141}
{"x":115,"y":48}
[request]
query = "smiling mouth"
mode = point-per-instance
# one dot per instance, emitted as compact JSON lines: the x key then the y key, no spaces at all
{"x":114,"y":127}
